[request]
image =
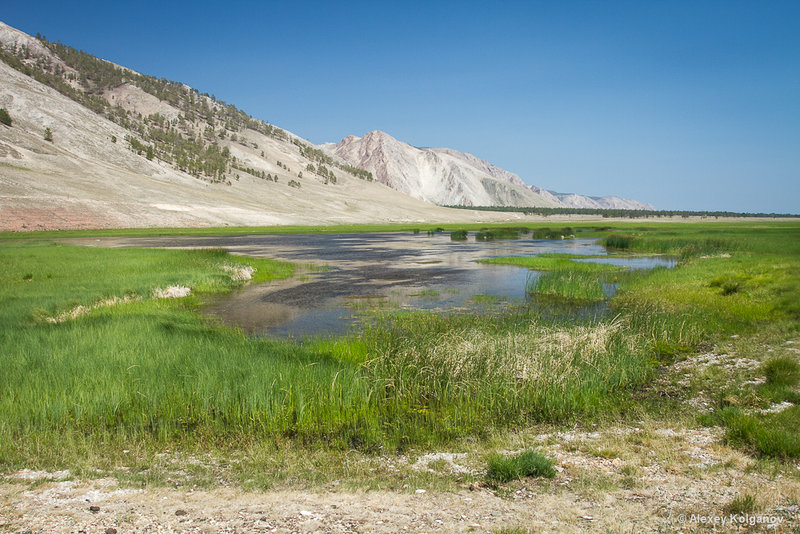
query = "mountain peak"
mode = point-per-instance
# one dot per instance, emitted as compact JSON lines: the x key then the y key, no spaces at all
{"x":441,"y":176}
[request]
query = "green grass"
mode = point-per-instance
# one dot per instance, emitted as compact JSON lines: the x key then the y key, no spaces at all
{"x":554,"y":262}
{"x":782,"y":371}
{"x":487,"y":234}
{"x":775,"y":435}
{"x":149,"y":373}
{"x":155,"y":371}
{"x":570,"y":284}
{"x":527,"y":464}
{"x":564,"y":277}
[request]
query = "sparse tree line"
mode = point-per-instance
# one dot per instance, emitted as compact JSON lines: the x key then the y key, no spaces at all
{"x":321,"y":170}
{"x":257,"y":173}
{"x":315,"y":154}
{"x":606,"y":213}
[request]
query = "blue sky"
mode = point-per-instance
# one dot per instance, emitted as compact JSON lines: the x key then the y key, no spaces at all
{"x":686,"y":105}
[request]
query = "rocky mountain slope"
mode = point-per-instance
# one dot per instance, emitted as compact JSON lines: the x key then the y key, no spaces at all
{"x":448,"y":177}
{"x":128,"y":150}
{"x":438,"y":175}
{"x":572,"y":200}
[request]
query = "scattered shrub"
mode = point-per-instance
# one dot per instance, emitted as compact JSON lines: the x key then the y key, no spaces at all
{"x":497,"y":233}
{"x":458,"y":235}
{"x":5,"y":118}
{"x":743,"y":504}
{"x":528,"y":464}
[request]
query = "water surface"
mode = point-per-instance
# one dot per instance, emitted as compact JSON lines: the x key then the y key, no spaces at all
{"x":371,"y":270}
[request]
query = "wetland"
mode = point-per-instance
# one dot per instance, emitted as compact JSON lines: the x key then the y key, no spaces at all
{"x":103,"y":376}
{"x":345,"y":275}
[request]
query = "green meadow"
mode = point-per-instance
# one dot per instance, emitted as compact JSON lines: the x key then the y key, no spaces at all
{"x":95,"y":361}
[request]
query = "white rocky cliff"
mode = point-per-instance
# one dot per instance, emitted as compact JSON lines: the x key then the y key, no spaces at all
{"x":448,"y":177}
{"x":438,"y":175}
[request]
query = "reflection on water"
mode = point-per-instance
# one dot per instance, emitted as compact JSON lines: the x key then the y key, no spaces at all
{"x":391,"y":270}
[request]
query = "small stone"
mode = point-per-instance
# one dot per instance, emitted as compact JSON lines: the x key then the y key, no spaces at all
{"x":181,"y":512}
{"x":94,"y":509}
{"x":306,"y":513}
{"x":420,"y":491}
{"x":110,"y":530}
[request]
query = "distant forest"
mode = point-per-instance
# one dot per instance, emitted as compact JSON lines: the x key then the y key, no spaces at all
{"x":631,"y":214}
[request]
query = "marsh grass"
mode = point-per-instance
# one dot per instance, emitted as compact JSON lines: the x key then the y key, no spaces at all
{"x":563,"y":277}
{"x":499,"y":233}
{"x":154,"y":370}
{"x":464,"y":372}
{"x":153,"y":373}
{"x":553,"y":262}
{"x":574,"y":285}
{"x":548,"y":233}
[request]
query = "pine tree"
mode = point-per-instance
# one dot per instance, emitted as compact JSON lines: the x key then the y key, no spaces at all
{"x":48,"y":135}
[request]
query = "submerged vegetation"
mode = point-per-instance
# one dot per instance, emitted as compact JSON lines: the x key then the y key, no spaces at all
{"x":155,"y":372}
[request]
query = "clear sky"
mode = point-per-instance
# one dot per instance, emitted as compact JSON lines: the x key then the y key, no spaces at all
{"x":686,"y":105}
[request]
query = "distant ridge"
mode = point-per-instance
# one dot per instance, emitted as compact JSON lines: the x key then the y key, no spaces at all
{"x":448,"y":177}
{"x":572,"y":200}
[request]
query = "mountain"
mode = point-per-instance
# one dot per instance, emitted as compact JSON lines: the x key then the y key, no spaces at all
{"x":129,"y":150}
{"x":448,"y":177}
{"x":94,"y":144}
{"x":439,"y":175}
{"x":571,"y":200}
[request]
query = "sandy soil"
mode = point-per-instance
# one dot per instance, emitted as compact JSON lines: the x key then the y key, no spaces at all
{"x":689,"y":476}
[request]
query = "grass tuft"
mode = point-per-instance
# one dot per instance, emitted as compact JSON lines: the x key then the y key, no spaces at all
{"x":570,"y":284}
{"x":527,"y":464}
{"x":782,"y":371}
{"x":742,"y":504}
{"x":772,"y":435}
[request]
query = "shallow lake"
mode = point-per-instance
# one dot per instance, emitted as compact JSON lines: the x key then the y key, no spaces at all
{"x":372,"y":270}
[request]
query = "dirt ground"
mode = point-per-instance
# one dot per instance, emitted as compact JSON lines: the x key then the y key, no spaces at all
{"x":616,"y":480}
